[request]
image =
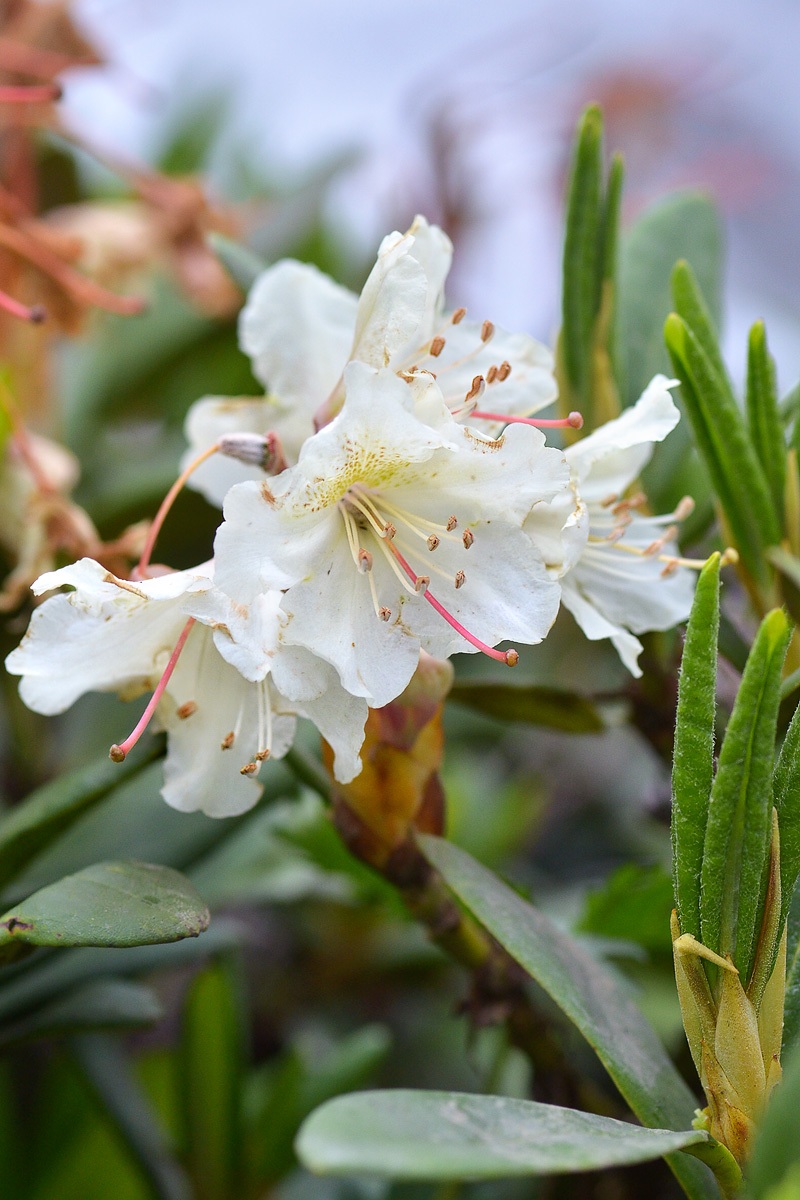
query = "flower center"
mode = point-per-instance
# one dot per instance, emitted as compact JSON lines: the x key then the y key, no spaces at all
{"x":392,"y":529}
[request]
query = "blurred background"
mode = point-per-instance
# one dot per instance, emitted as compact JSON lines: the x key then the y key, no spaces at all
{"x":464,"y":111}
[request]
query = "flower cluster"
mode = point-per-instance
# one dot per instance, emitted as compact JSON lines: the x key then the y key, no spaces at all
{"x":391,"y":493}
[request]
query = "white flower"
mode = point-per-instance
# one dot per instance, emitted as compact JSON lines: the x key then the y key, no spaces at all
{"x":112,"y":635}
{"x":397,"y":529}
{"x":301,"y":329}
{"x":619,"y":570}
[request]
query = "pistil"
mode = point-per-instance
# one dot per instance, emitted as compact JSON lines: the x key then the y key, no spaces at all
{"x":118,"y":753}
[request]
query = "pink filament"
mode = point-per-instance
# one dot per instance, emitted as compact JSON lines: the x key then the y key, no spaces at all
{"x":166,"y":505}
{"x":40,"y":93}
{"x":119,"y":752}
{"x":573,"y":421}
{"x":35,"y":315}
{"x":509,"y":657}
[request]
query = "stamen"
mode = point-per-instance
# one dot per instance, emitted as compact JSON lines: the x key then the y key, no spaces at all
{"x":503,"y":371}
{"x":433,"y":541}
{"x":460,"y":579}
{"x":437,"y":346}
{"x":186,"y":710}
{"x":573,"y":421}
{"x":166,"y":504}
{"x":487,"y":331}
{"x":612,"y":498}
{"x":491,"y":375}
{"x":510,"y":657}
{"x":451,"y":524}
{"x":118,"y":753}
{"x":467,"y":537}
{"x":34,"y":313}
{"x":669,"y":535}
{"x":477,"y":389}
{"x":228,"y":740}
{"x":422,"y":583}
{"x":384,"y":613}
{"x":364,"y":561}
{"x":43,"y":93}
{"x":458,"y":316}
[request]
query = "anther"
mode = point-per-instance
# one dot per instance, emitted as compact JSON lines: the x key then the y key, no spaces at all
{"x":491,"y":374}
{"x":684,"y":508}
{"x":729,"y":557}
{"x":503,"y":371}
{"x":384,"y":613}
{"x":670,"y":568}
{"x":421,"y":584}
{"x":433,"y":542}
{"x":264,"y":451}
{"x":437,"y":346}
{"x":487,"y":331}
{"x":610,"y":499}
{"x":451,"y":524}
{"x":669,"y":534}
{"x":477,"y":389}
{"x":364,"y":560}
{"x":389,"y":531}
{"x":262,"y":755}
{"x":228,"y":740}
{"x":460,"y":579}
{"x":186,"y":710}
{"x":467,"y":537}
{"x":249,"y":768}
{"x":458,"y":316}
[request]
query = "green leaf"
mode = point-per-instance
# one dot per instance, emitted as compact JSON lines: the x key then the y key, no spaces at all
{"x":241,"y":263}
{"x":212,"y":1067}
{"x":634,"y":905}
{"x":684,"y":225}
{"x":788,"y":568}
{"x":724,"y":445}
{"x":763,"y":416}
{"x":108,"y":1072}
{"x":451,"y":1135}
{"x":735,"y":853}
{"x":786,"y":784}
{"x":594,"y":1000}
{"x":109,"y":904}
{"x":693,"y":756}
{"x":776,"y":1149}
{"x":582,"y":250}
{"x":690,"y":305}
{"x":791,"y":1007}
{"x":550,"y":707}
{"x":101,"y":1004}
{"x":32,"y":825}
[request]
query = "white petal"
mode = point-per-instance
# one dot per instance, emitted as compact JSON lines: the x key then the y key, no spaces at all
{"x":392,"y":304}
{"x":213,"y":416}
{"x":247,"y":636}
{"x":559,"y":528}
{"x":198,"y":772}
{"x":107,"y":635}
{"x":608,"y":460}
{"x":596,"y":627}
{"x":297,"y":326}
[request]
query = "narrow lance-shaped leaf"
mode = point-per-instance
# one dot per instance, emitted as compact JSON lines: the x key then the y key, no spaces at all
{"x":691,"y":307}
{"x":582,"y":252}
{"x":109,"y":904}
{"x":606,"y":336}
{"x":451,"y":1136}
{"x":725,"y":446}
{"x":693,"y":757}
{"x":593,"y":999}
{"x":212,"y":1062}
{"x":763,"y":417}
{"x":786,"y":783}
{"x":736,"y":847}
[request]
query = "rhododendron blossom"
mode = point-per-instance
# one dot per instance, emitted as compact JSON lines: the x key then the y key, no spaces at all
{"x":620,"y":573}
{"x":301,"y":329}
{"x":397,"y":529}
{"x":109,"y":634}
